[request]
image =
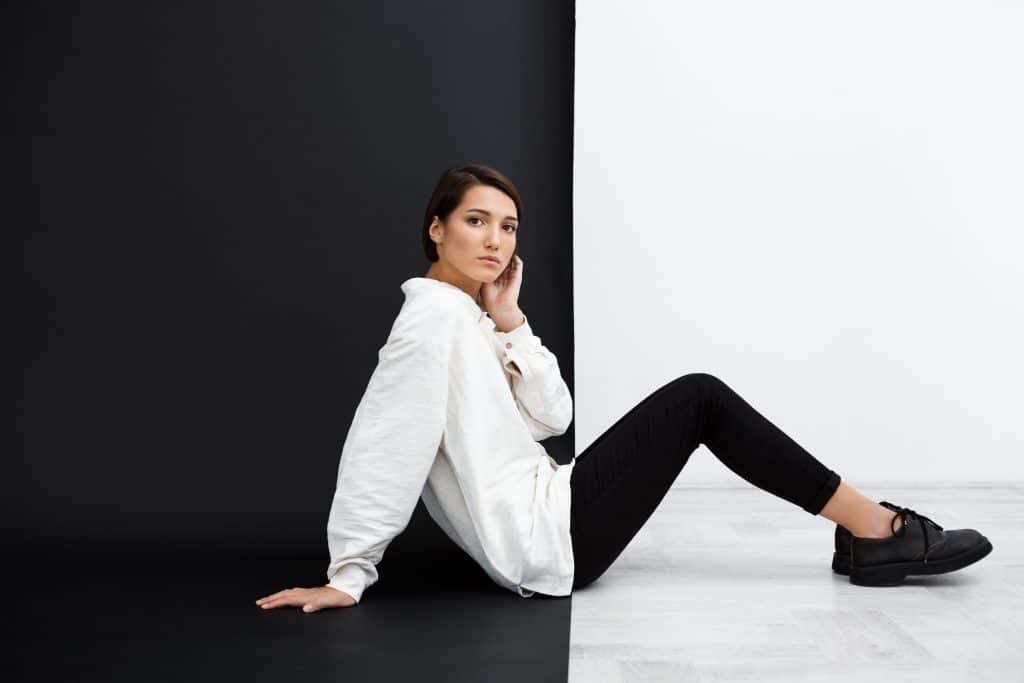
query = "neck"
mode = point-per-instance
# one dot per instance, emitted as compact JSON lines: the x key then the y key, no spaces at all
{"x":440,"y":270}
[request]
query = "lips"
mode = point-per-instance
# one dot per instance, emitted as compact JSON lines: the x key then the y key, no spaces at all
{"x":492,"y":260}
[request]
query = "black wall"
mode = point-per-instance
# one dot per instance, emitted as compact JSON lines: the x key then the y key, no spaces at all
{"x":213,"y":205}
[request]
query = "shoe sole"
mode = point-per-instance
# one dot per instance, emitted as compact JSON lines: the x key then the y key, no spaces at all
{"x":894,"y":573}
{"x":841,"y":564}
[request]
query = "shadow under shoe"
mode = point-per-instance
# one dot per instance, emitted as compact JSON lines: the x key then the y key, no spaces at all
{"x":843,"y":536}
{"x":919,"y":546}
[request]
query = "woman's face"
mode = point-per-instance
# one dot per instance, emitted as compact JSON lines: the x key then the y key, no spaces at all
{"x":483,"y":224}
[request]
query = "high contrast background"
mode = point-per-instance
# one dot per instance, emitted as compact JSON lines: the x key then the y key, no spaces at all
{"x":213,"y":207}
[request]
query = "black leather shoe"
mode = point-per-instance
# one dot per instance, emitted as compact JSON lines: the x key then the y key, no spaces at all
{"x":920,"y":546}
{"x":841,"y":556}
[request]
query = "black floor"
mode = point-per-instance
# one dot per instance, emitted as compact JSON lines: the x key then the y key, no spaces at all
{"x":184,"y":612}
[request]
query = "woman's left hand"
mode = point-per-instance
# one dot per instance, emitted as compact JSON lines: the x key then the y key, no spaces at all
{"x":501,"y":298}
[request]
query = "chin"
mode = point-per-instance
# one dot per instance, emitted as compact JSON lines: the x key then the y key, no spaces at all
{"x":491,"y":273}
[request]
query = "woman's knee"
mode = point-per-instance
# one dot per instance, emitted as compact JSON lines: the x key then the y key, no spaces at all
{"x":698,"y":379}
{"x":700,"y":386}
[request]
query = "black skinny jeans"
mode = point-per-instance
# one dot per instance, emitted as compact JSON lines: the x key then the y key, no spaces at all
{"x":620,"y":479}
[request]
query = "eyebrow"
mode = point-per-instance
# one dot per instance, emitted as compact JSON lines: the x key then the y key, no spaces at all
{"x":510,"y":218}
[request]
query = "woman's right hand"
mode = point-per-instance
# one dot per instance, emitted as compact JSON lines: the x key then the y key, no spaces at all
{"x":309,"y":599}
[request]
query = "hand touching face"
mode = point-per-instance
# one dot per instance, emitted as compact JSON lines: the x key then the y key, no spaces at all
{"x":503,"y":293}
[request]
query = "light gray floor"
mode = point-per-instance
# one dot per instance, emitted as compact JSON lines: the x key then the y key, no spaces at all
{"x":734,"y":584}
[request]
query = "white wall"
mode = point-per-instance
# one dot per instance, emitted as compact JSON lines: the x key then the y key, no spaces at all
{"x":821,"y":204}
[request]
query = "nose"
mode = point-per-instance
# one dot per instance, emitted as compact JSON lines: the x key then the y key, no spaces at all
{"x":493,"y":238}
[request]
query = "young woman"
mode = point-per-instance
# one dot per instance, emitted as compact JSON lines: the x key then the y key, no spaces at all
{"x":464,"y":392}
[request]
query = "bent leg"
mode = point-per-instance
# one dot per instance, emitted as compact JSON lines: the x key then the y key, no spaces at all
{"x":621,"y":478}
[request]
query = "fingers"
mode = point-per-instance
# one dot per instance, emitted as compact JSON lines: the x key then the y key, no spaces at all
{"x":275,"y":595}
{"x":283,"y":601}
{"x":309,"y":599}
{"x":290,"y":596}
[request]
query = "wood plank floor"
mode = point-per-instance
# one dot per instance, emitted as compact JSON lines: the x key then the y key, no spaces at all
{"x":734,"y":584}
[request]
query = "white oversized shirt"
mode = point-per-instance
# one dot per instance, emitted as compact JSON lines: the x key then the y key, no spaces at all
{"x":453,"y":413}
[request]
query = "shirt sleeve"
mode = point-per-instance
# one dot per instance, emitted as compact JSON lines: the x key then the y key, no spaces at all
{"x":540,"y":392}
{"x":387,"y":454}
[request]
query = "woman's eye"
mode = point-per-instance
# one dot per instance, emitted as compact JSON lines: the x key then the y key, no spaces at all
{"x":477,"y":218}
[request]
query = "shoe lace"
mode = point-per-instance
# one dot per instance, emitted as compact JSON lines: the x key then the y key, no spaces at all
{"x":906,"y":514}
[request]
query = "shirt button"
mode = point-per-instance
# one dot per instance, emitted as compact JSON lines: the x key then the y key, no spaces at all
{"x":508,"y":345}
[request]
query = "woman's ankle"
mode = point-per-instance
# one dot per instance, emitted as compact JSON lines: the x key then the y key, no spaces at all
{"x":883,"y":527}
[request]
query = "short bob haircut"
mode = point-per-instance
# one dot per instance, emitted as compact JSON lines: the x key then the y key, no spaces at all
{"x":450,"y":188}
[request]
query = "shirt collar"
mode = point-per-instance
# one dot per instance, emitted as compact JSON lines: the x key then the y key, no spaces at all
{"x":424,"y":283}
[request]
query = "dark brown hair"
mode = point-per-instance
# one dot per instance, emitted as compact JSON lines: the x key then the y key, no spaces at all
{"x":450,"y":188}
